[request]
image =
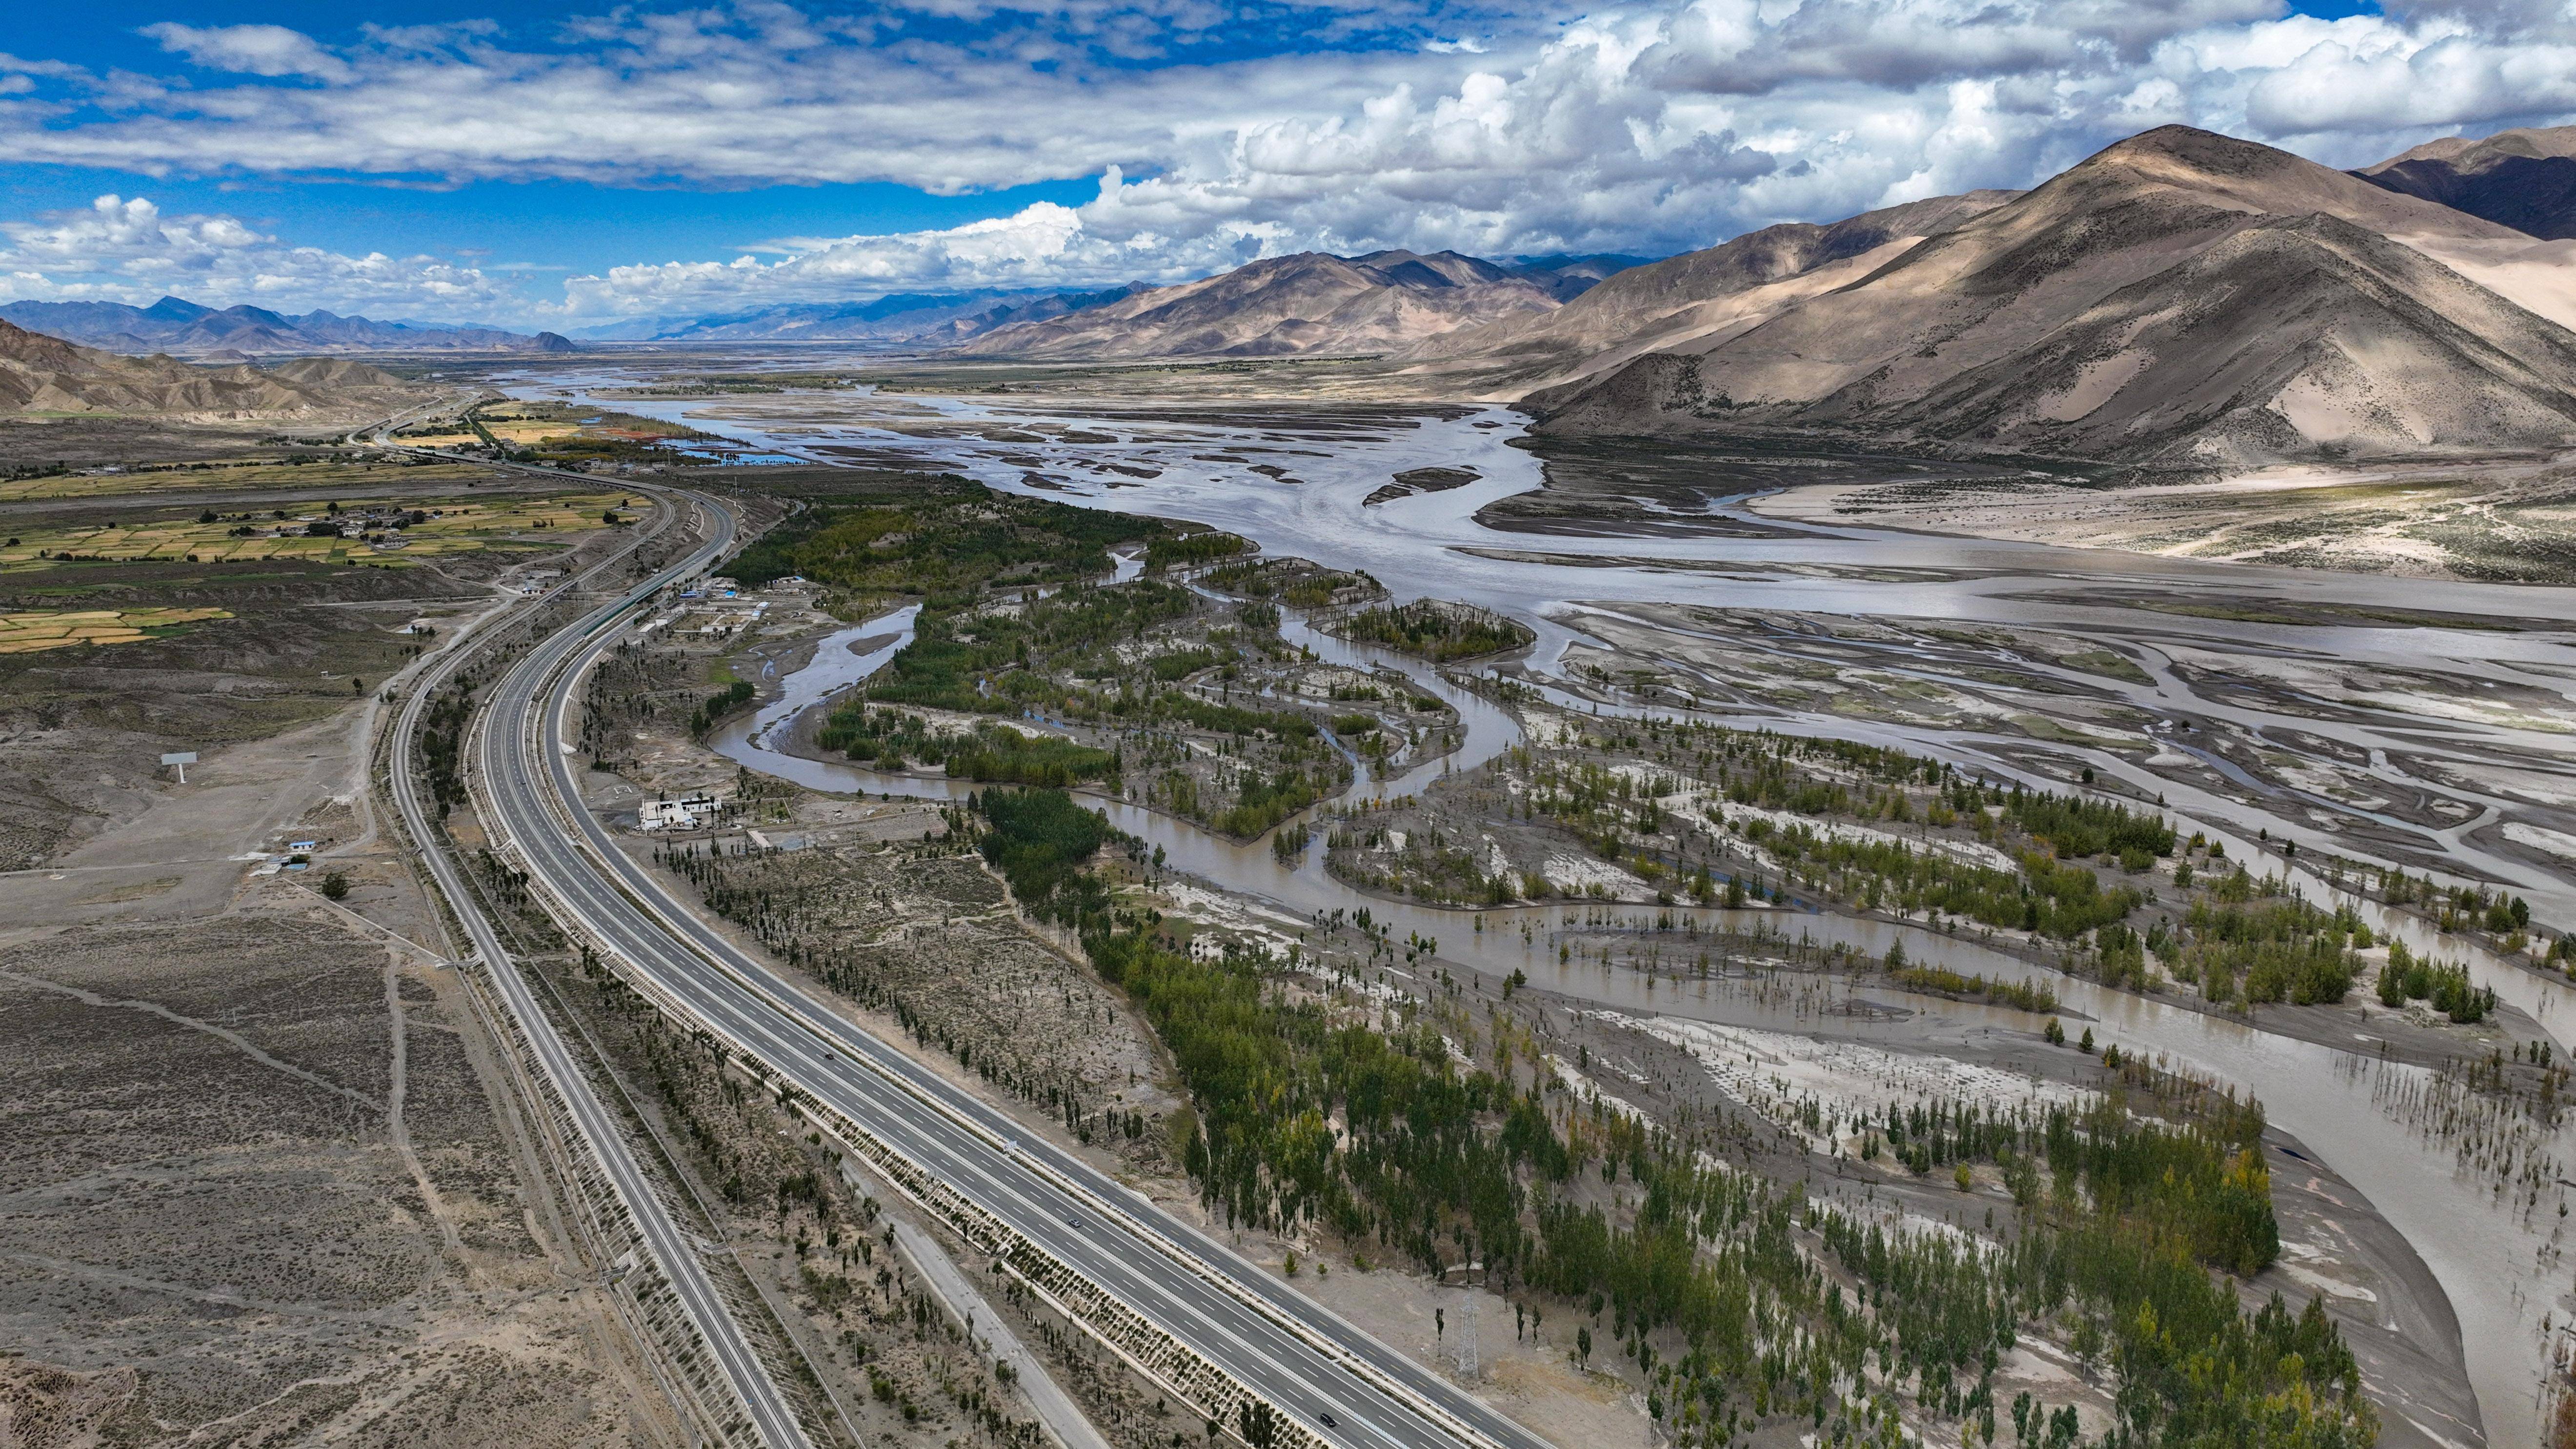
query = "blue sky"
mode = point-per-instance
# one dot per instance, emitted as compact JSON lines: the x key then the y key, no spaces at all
{"x":572,"y":164}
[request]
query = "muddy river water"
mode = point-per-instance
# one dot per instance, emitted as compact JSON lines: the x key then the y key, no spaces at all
{"x":2494,"y":1263}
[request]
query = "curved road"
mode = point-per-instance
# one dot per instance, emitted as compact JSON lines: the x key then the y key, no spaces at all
{"x":1300,"y":1357}
{"x":769,"y":1413}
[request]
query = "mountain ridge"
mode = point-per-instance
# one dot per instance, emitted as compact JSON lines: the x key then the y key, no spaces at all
{"x":44,"y":374}
{"x":896,"y":319}
{"x":1301,"y":304}
{"x":177,"y":325}
{"x":2097,"y":316}
{"x":2524,"y":178}
{"x":1657,"y":303}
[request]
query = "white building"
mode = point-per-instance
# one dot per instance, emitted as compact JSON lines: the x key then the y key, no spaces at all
{"x":687,"y":813}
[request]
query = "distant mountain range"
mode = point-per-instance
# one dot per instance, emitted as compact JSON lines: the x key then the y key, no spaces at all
{"x":2181,"y":300}
{"x":41,"y":374}
{"x":1311,"y":303}
{"x":1323,"y":302}
{"x":901,"y":320}
{"x":178,"y":326}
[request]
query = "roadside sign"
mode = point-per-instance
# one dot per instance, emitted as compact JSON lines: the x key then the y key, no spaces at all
{"x":181,"y":759}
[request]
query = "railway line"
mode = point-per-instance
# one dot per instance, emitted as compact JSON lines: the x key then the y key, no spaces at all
{"x":745,"y":1386}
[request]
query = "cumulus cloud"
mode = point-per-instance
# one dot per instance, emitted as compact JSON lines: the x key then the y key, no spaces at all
{"x":127,"y":250}
{"x":1114,"y":239}
{"x":1670,"y":125}
{"x":269,"y":50}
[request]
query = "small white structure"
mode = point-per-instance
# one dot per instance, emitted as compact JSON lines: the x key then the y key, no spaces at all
{"x":689,"y":812}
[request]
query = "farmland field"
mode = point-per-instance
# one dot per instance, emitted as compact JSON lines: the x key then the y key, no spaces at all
{"x":453,"y":526}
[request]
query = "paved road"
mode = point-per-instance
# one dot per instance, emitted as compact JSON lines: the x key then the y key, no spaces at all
{"x":1304,"y":1360}
{"x":733,"y":1355}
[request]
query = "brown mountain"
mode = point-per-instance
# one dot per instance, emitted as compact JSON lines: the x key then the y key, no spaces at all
{"x":333,"y":373}
{"x":41,"y":374}
{"x":1696,"y":296}
{"x":2523,"y":179}
{"x":2182,"y":298}
{"x":1311,"y":303}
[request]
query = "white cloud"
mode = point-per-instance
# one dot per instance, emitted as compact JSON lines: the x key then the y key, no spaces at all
{"x":267,"y":50}
{"x":121,"y":250}
{"x":1107,"y":241}
{"x":1670,"y":125}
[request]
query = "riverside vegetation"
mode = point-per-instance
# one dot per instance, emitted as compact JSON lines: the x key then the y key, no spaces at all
{"x":1152,"y":686}
{"x":1682,"y":813}
{"x":1740,"y":1304}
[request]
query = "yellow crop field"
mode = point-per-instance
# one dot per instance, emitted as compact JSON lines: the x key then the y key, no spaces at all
{"x":460,"y":526}
{"x":42,"y":629}
{"x":516,"y":433}
{"x":262,"y":473}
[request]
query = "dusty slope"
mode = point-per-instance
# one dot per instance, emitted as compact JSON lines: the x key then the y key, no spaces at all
{"x":1283,"y":306}
{"x":2524,"y":179}
{"x":1714,"y":292}
{"x":332,"y":372}
{"x":2180,"y":299}
{"x":2296,"y":336}
{"x":41,"y":374}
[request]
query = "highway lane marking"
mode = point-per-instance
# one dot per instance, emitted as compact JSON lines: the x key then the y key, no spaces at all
{"x":1178,"y":1265}
{"x":682,"y":1272}
{"x":1163,"y":1285}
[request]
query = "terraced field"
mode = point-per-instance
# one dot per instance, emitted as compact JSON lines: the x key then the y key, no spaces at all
{"x":37,"y":630}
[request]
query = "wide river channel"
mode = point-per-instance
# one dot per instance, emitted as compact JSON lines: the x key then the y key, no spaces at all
{"x":2493,"y":1262}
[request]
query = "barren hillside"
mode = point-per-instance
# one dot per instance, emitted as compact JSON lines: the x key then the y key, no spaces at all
{"x":2181,"y":298}
{"x":1696,"y":296}
{"x":41,"y":375}
{"x":1310,"y":303}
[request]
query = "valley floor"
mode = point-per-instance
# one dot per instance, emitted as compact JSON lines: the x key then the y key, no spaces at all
{"x":2497,"y":522}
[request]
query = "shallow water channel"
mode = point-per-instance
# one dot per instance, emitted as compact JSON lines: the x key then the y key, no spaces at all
{"x":2488,"y":1261}
{"x":2472,"y":1242}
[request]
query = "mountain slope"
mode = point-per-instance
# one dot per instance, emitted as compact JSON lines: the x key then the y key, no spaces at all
{"x":1309,"y":303}
{"x":1569,"y":277}
{"x":174,"y":324}
{"x":2297,"y":335}
{"x":42,"y":374}
{"x":2523,"y":179}
{"x":2181,"y":298}
{"x":1725,"y":288}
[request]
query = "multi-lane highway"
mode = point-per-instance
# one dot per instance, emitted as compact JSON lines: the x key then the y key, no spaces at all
{"x":769,"y":1414}
{"x":1335,"y":1381}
